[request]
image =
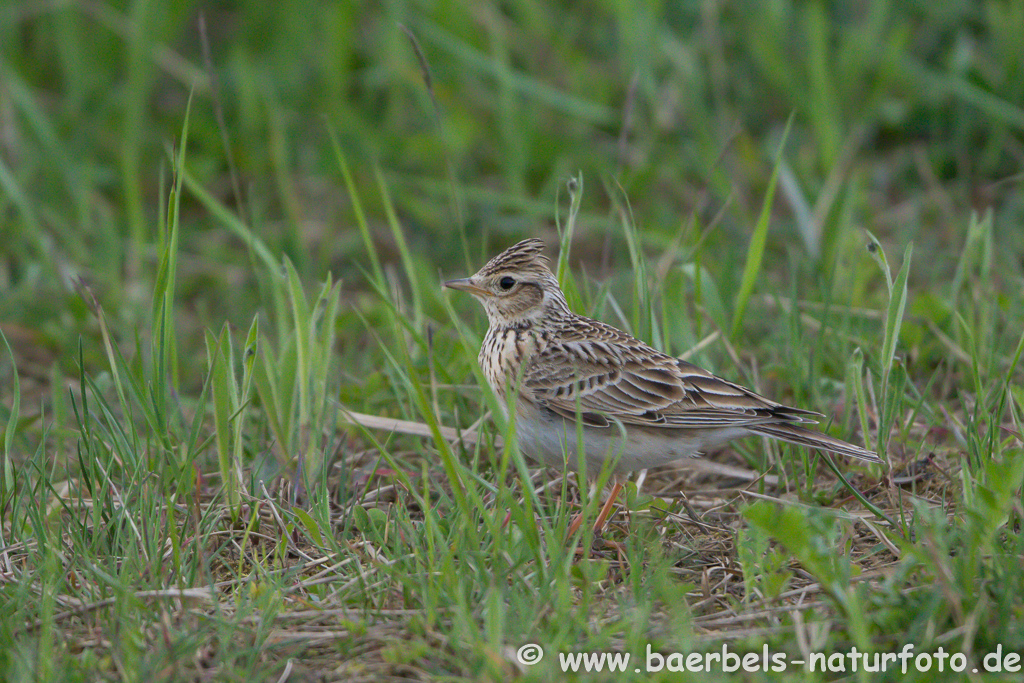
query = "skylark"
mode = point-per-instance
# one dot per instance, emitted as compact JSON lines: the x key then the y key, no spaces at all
{"x":639,"y":407}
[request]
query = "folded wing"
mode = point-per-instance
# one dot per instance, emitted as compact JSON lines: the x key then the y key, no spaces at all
{"x":608,"y":376}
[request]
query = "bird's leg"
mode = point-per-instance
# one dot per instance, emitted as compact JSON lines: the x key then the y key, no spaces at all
{"x":602,"y":517}
{"x":606,"y":510}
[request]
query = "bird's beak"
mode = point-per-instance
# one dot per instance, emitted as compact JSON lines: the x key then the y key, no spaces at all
{"x":466,"y":284}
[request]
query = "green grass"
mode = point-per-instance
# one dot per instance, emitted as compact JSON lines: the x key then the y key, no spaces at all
{"x":232,"y":390}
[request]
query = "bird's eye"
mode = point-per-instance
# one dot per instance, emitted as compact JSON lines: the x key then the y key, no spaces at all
{"x":506,"y":283}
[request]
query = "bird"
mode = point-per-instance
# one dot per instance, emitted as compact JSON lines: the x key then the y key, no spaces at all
{"x":554,"y":371}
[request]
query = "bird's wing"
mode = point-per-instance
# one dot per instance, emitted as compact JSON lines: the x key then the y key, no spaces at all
{"x":606,"y":376}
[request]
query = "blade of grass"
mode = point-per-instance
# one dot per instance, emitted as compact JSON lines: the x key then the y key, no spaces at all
{"x":857,"y":494}
{"x":7,"y":469}
{"x":755,"y":252}
{"x":893,"y":321}
{"x":855,"y":374}
{"x":218,"y":353}
{"x":357,"y":208}
{"x":878,"y":254}
{"x":302,"y":319}
{"x":249,"y":354}
{"x":230,"y":221}
{"x":575,"y":188}
{"x":163,"y":343}
{"x":894,"y":317}
{"x":643,"y":311}
{"x":403,"y":251}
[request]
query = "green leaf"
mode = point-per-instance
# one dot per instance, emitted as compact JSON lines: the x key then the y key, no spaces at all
{"x":312,"y":528}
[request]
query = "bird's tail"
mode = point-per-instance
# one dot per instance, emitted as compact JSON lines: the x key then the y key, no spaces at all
{"x":812,"y":439}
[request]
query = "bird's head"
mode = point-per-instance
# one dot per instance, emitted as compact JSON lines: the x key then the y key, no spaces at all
{"x":516,"y":287}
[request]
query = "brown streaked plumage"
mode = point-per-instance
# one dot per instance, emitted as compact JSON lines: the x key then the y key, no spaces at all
{"x":639,"y":407}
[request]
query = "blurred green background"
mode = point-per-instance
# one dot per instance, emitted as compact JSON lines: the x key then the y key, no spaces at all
{"x":907,"y":117}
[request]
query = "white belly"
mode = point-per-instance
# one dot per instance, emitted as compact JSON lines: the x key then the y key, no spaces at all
{"x":552,"y":441}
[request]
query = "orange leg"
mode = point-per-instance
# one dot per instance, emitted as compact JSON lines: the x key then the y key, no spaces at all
{"x":606,"y":510}
{"x":602,"y":517}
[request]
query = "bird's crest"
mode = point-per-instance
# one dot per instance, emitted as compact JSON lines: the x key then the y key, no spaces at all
{"x":520,"y":256}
